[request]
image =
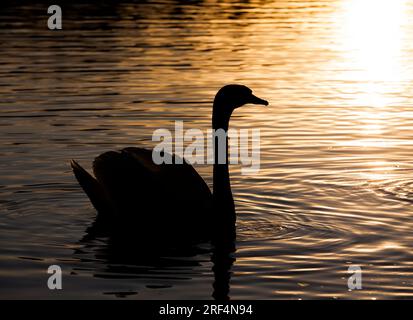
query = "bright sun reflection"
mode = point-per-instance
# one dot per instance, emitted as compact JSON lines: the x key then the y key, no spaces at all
{"x":372,"y":40}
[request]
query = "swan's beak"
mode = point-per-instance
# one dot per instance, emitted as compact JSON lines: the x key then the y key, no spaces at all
{"x":255,"y":100}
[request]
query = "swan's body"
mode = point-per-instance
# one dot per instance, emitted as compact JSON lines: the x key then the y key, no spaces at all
{"x":130,"y":190}
{"x":135,"y":196}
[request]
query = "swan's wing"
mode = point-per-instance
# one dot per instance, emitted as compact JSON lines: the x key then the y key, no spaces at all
{"x":133,"y":180}
{"x":181,"y":181}
{"x":183,"y":176}
{"x":124,"y":178}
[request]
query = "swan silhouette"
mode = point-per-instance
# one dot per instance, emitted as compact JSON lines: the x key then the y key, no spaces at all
{"x":135,"y":196}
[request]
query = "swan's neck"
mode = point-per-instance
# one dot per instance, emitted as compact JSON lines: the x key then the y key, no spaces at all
{"x":223,"y":200}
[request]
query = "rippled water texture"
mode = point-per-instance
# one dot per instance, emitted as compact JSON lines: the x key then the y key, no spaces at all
{"x":336,"y":182}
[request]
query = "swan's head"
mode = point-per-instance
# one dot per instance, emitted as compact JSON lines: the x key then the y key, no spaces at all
{"x":235,"y":95}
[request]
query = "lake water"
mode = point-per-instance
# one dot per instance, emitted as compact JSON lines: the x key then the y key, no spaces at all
{"x":335,"y":188}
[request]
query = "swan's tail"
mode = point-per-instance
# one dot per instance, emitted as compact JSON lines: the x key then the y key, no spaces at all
{"x":92,"y":188}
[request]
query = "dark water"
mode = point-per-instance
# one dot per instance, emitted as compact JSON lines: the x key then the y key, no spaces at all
{"x":336,"y":182}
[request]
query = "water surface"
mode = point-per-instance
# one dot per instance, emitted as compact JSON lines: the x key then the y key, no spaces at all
{"x":336,"y":182}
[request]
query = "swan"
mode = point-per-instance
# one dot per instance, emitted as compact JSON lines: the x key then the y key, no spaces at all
{"x":134,"y":196}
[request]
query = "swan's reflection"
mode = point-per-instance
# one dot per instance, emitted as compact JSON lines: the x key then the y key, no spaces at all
{"x":223,"y":257}
{"x":121,"y":259}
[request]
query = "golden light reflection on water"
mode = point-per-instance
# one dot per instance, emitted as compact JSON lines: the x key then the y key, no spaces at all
{"x":380,"y":247}
{"x":372,"y":37}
